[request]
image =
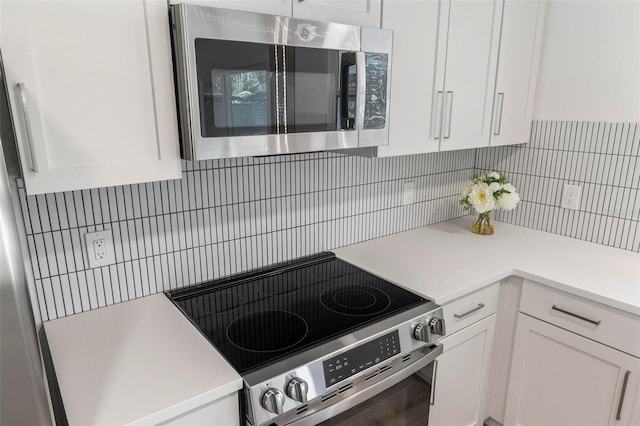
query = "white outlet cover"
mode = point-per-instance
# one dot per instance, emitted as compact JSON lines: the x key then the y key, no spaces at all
{"x":408,"y":193}
{"x":90,"y":238}
{"x":571,"y":197}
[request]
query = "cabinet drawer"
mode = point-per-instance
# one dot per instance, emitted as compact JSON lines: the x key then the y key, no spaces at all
{"x":471,"y":308}
{"x":615,"y":328}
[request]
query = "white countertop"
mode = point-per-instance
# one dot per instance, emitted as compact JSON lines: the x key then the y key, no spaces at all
{"x":446,"y":261}
{"x":138,"y":362}
{"x":143,"y":362}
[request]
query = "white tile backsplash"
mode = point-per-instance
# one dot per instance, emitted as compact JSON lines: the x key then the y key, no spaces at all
{"x":233,"y":215}
{"x":602,"y":158}
{"x":225,"y":217}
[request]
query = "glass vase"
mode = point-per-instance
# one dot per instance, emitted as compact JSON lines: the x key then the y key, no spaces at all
{"x":482,"y":225}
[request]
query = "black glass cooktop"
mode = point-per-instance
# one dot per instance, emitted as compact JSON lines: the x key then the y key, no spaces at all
{"x":259,"y":317}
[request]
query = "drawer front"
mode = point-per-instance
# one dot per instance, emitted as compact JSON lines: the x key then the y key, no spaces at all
{"x":612,"y":327}
{"x":471,"y":308}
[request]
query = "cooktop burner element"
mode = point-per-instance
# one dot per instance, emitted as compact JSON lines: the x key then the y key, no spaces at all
{"x":267,"y":331}
{"x":330,"y":296}
{"x":324,"y":271}
{"x":355,"y":300}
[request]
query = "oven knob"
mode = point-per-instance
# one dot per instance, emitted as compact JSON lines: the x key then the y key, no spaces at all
{"x":297,"y":389}
{"x":436,"y":327}
{"x":433,"y":330}
{"x":273,"y":401}
{"x":421,"y":333}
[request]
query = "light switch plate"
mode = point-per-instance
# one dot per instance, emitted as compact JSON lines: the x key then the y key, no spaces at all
{"x":99,"y":247}
{"x":408,"y":193}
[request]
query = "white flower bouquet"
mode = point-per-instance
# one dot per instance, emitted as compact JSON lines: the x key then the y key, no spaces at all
{"x":486,"y":193}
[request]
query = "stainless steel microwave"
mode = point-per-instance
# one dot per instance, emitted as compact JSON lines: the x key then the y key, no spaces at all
{"x":251,"y":84}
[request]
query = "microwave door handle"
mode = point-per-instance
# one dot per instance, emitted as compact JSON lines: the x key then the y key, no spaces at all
{"x":361,"y":91}
{"x":347,"y":61}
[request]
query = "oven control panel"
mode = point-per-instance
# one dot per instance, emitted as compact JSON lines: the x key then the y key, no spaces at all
{"x":360,"y":358}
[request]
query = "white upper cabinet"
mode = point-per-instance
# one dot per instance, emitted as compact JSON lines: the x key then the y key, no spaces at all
{"x":271,"y":7}
{"x":415,"y":36}
{"x":91,"y":92}
{"x":442,"y":74}
{"x":466,"y":78}
{"x":461,"y":71}
{"x":522,"y":26}
{"x":354,"y":12}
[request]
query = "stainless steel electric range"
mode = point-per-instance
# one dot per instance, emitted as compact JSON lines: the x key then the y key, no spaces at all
{"x":313,"y":337}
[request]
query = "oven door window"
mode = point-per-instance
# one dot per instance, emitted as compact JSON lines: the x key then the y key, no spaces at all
{"x":236,"y":88}
{"x":405,"y":403}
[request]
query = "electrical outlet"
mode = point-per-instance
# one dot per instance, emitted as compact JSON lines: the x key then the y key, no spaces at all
{"x":571,"y":197}
{"x":100,"y":248}
{"x":408,"y":193}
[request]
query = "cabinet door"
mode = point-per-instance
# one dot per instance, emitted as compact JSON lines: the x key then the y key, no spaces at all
{"x":520,"y":41}
{"x":271,"y":7}
{"x":415,"y":34}
{"x":559,"y":378}
{"x":354,"y":12}
{"x":222,"y":412}
{"x":91,"y":92}
{"x":469,"y":77}
{"x":462,"y":376}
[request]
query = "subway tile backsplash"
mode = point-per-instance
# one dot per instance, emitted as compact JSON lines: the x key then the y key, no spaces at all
{"x":230,"y":216}
{"x":224,"y":217}
{"x":602,"y":158}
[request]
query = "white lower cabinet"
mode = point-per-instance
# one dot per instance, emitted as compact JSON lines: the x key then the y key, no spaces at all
{"x":560,"y":378}
{"x":221,"y":412}
{"x":462,"y":375}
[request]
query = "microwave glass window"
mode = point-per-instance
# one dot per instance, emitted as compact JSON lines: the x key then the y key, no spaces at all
{"x":312,"y":84}
{"x":259,"y":89}
{"x":236,"y":88}
{"x":240,"y":100}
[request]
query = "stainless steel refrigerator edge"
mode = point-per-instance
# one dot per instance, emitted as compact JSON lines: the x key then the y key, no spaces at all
{"x":23,"y":397}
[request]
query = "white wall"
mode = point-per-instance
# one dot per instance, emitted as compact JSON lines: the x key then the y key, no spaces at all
{"x":590,"y":61}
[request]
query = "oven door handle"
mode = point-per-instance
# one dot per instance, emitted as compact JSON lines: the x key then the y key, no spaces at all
{"x":324,"y":414}
{"x":433,"y":382}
